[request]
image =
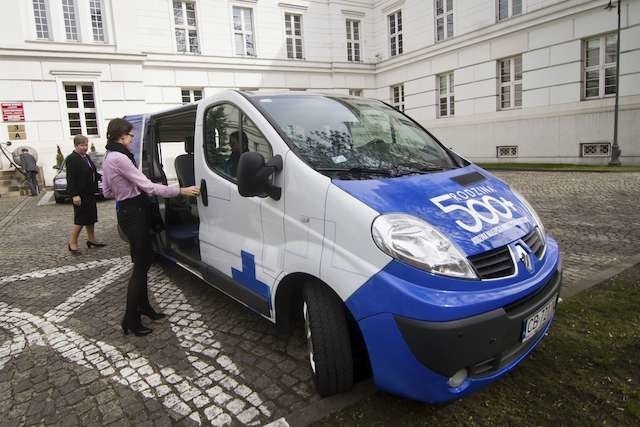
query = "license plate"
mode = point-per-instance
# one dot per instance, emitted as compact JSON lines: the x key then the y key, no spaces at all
{"x":534,"y":323}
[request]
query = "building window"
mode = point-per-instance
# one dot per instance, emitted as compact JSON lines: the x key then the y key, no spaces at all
{"x":507,"y":151}
{"x":509,"y":8}
{"x":600,"y":66}
{"x":444,"y":19}
{"x":597,"y":149}
{"x":243,"y":31}
{"x":510,"y":83}
{"x":293,"y":34}
{"x":191,"y":95}
{"x":81,"y":108}
{"x":41,"y":16}
{"x":97,"y":20}
{"x":397,"y":96}
{"x":355,"y":92}
{"x":353,"y":40}
{"x":184,"y":18}
{"x":395,"y":33}
{"x":446,"y":98}
{"x":70,"y":24}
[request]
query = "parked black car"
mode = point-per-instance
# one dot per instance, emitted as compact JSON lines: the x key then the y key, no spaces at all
{"x":60,"y":180}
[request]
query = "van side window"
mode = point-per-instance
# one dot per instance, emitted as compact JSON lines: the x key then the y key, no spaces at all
{"x":225,"y":142}
{"x":256,"y":141}
{"x":221,"y":130}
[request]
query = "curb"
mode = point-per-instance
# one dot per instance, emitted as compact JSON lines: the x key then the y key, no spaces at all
{"x":603,"y":276}
{"x":325,"y":407}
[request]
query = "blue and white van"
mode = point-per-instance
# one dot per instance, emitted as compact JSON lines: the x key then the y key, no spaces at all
{"x":396,"y":252}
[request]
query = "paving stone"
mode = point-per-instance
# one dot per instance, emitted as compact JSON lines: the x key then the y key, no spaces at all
{"x":70,"y":420}
{"x":222,"y":362}
{"x":75,"y":397}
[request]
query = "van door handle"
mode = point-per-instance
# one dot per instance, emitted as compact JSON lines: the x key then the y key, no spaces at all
{"x":203,"y":192}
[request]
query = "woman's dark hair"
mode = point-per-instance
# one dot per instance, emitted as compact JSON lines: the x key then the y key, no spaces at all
{"x":117,"y":128}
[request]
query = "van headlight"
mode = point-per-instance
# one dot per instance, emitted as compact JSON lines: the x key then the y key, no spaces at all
{"x":533,"y":213}
{"x":414,"y":241}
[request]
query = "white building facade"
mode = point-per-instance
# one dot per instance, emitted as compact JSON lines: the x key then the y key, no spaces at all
{"x":497,"y":80}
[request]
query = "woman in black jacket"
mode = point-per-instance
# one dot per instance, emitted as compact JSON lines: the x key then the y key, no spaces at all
{"x":82,"y":184}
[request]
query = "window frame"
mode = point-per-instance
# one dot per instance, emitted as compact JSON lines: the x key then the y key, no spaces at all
{"x":598,"y":146}
{"x":243,"y":32}
{"x":185,"y":27}
{"x":103,"y":23}
{"x":445,"y":17}
{"x":395,"y":37}
{"x":81,"y":109}
{"x":448,"y":96}
{"x":355,"y":92}
{"x":191,"y":93}
{"x":293,"y":37}
{"x":400,"y":103}
{"x":74,"y":11}
{"x":510,"y":13}
{"x":512,"y":151}
{"x":46,"y":16}
{"x":600,"y":68}
{"x":241,"y":115}
{"x":512,"y":83}
{"x":352,"y":41}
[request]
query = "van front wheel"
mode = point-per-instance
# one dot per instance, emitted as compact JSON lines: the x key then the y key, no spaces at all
{"x":328,"y":343}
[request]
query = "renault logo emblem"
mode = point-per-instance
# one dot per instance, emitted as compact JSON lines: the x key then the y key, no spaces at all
{"x":524,"y":257}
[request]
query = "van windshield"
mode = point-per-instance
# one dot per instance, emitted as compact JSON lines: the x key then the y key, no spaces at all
{"x":355,"y":137}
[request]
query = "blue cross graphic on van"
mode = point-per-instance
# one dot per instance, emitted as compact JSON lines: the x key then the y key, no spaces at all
{"x":247,"y":277}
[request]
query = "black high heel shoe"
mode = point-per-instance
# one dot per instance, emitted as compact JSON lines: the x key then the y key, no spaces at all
{"x":91,"y":244}
{"x":73,"y":251}
{"x":138,"y":331}
{"x":152,"y":314}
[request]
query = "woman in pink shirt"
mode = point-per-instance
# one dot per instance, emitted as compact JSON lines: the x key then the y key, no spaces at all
{"x":122,"y":180}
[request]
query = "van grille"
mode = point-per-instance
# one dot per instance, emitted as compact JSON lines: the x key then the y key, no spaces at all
{"x":494,"y":263}
{"x":535,"y":242}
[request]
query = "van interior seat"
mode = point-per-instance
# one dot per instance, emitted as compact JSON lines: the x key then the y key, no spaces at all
{"x":184,"y":164}
{"x":184,"y":226}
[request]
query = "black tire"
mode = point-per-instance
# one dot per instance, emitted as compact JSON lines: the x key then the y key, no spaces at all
{"x":58,"y":199}
{"x":329,"y":346}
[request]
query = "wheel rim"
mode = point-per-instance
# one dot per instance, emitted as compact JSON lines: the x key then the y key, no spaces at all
{"x":307,"y":330}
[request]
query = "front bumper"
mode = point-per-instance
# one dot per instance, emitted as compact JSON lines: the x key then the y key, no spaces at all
{"x":482,"y":344}
{"x":419,"y":336}
{"x":61,"y":192}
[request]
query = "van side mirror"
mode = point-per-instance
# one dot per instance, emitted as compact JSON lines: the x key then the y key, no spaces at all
{"x":254,"y":175}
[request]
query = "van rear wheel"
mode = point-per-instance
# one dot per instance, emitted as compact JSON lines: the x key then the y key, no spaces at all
{"x":328,"y":343}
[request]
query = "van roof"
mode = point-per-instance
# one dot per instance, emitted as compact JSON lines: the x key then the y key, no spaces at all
{"x":279,"y":93}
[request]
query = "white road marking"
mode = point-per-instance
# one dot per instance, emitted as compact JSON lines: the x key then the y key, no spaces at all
{"x":211,"y":394}
{"x":61,"y":270}
{"x":46,"y":199}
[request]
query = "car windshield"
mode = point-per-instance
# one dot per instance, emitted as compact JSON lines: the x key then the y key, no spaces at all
{"x":96,"y":158}
{"x":356,"y":137}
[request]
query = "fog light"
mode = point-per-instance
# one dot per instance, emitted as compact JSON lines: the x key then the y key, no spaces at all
{"x":458,"y":378}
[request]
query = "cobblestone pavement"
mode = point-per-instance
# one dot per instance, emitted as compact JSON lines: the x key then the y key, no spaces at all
{"x":64,"y":360}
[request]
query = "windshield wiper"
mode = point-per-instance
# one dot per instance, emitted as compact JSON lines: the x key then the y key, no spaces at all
{"x":360,"y":170}
{"x":420,"y":168}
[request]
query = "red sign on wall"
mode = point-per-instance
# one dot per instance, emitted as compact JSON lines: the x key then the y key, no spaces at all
{"x":12,"y":112}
